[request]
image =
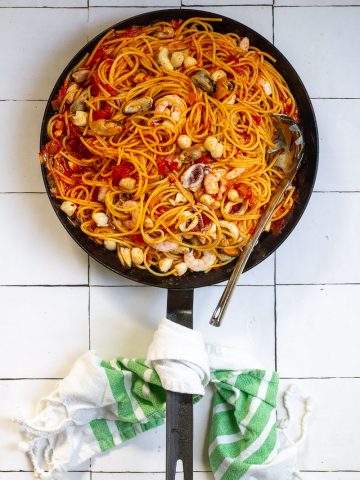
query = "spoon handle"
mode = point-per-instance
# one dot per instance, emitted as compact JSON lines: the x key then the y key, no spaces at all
{"x":244,"y":256}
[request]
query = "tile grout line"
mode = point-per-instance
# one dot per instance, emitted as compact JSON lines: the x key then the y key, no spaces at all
{"x":275,"y":315}
{"x":190,"y":5}
{"x":89,"y":315}
{"x":273,"y":22}
{"x":262,"y":285}
{"x":324,"y":377}
{"x":108,"y":472}
{"x":275,"y":310}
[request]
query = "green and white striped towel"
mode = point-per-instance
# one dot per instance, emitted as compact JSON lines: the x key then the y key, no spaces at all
{"x":101,"y":404}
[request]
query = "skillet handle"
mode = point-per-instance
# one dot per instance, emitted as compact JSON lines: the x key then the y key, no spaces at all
{"x":179,"y":407}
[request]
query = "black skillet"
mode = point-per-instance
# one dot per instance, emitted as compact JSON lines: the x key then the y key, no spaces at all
{"x":179,"y":429}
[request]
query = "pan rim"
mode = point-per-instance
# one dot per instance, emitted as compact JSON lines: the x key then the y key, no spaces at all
{"x":191,"y":279}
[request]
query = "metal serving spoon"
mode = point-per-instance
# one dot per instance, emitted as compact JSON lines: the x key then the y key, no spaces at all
{"x":289,"y":143}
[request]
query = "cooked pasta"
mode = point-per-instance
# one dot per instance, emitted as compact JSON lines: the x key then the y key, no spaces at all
{"x":158,"y":145}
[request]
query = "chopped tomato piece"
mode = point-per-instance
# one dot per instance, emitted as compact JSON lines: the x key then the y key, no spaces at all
{"x":102,"y":113}
{"x":126,"y":169}
{"x":78,"y":149}
{"x":138,"y":239}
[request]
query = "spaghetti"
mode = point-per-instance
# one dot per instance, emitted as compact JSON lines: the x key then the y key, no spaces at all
{"x":158,"y":145}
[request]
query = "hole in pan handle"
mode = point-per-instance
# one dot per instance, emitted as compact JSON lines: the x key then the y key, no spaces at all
{"x":179,"y":406}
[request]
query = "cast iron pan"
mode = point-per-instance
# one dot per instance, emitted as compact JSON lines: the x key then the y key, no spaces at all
{"x":179,"y":429}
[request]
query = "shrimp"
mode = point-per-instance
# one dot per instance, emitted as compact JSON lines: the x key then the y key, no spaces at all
{"x":215,"y":182}
{"x":199,"y":264}
{"x":262,"y":82}
{"x":165,"y":246}
{"x":172,"y":104}
{"x":133,"y":210}
{"x":235,"y":172}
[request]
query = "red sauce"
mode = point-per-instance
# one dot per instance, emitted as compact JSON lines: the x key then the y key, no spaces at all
{"x":167,"y":164}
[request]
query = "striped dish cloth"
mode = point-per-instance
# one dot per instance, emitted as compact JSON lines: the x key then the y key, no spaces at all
{"x":243,"y":428}
{"x":101,"y":404}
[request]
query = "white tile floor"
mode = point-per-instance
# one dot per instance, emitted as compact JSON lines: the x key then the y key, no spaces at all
{"x":298,"y":311}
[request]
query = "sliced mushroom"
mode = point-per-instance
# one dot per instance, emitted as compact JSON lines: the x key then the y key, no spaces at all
{"x":80,"y":75}
{"x":71,"y":92}
{"x":139,"y":105}
{"x":203,"y":80}
{"x":79,"y":104}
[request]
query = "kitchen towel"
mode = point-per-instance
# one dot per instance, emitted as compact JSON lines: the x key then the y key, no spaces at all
{"x":101,"y":404}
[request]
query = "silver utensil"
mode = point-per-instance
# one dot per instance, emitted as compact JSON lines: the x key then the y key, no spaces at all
{"x":289,"y":150}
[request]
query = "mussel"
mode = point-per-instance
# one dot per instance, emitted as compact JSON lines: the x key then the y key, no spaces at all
{"x":142,"y":104}
{"x":203,"y":80}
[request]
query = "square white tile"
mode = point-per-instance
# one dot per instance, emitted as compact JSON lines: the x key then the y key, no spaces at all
{"x":235,"y":3}
{"x":37,"y":249}
{"x":20,"y":171}
{"x":332,"y":434}
{"x":135,"y":3}
{"x":339,"y":168}
{"x":321,"y":36}
{"x":317,"y":330}
{"x":319,"y":3}
{"x":248,"y":323}
{"x":258,"y":18}
{"x":50,"y":329}
{"x":18,"y":398}
{"x":42,"y":43}
{"x":30,"y":476}
{"x":330,"y":475}
{"x":324,"y":247}
{"x":123,"y":319}
{"x":262,"y":274}
{"x":44,"y":3}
